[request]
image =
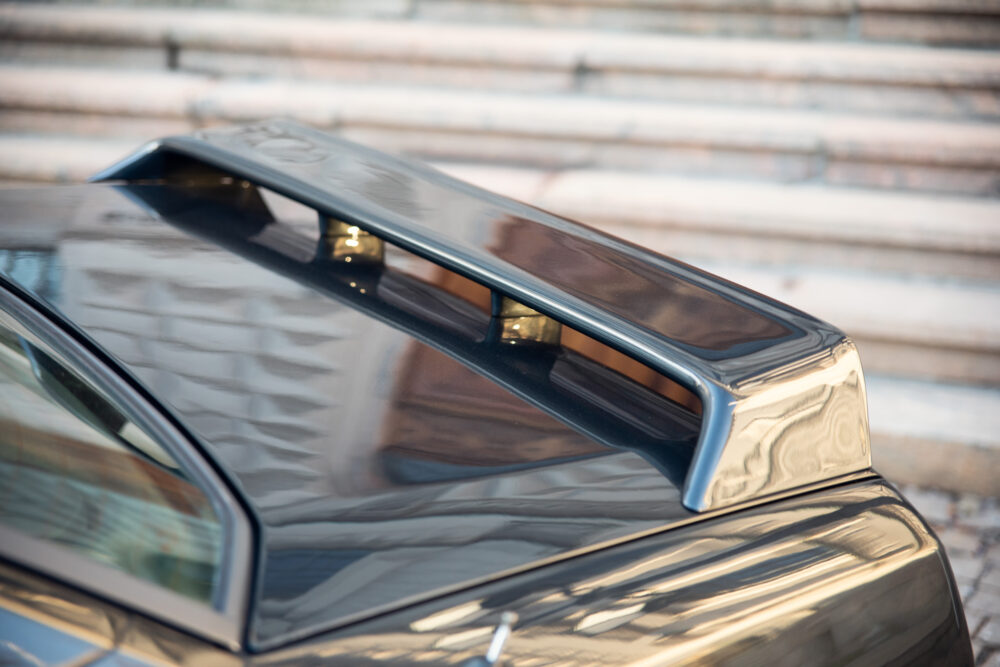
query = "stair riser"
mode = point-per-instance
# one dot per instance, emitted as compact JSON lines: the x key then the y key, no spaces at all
{"x":937,"y":434}
{"x":936,"y":29}
{"x":900,"y":359}
{"x":971,"y":103}
{"x":955,"y":466}
{"x":691,"y":22}
{"x":943,"y":101}
{"x":918,"y":178}
{"x":909,"y":27}
{"x":129,"y":132}
{"x":221,"y":63}
{"x":30,"y":53}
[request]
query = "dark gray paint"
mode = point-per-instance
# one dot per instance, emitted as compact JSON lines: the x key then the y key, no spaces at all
{"x":384,"y":464}
{"x":841,"y":576}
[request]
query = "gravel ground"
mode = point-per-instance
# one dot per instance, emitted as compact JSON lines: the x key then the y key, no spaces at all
{"x":969,"y":526}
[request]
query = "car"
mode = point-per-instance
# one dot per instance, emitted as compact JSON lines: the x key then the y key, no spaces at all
{"x":270,"y":397}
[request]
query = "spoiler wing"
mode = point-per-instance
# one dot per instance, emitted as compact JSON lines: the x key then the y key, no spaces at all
{"x":783,"y":394}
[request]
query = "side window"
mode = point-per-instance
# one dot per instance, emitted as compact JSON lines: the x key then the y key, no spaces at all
{"x":78,"y":471}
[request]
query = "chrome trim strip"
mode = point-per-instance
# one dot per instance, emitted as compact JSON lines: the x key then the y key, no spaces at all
{"x":782,"y":409}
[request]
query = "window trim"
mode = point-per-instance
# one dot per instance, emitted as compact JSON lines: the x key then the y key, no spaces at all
{"x":223,"y":620}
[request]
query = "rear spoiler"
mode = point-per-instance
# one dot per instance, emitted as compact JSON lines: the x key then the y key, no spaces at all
{"x":783,"y":395}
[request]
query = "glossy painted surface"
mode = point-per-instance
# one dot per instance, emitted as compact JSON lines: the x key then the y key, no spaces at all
{"x":843,"y":576}
{"x":54,"y":622}
{"x":26,"y":641}
{"x":392,"y":450}
{"x":783,"y":393}
{"x":41,"y":625}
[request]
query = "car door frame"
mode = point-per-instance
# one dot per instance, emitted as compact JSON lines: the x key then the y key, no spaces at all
{"x":221,"y":622}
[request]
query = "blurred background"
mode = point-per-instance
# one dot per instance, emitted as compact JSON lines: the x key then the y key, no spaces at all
{"x":840,"y":155}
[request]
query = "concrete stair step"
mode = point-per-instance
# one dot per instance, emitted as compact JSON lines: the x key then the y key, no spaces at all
{"x":935,"y":434}
{"x":532,"y":130}
{"x":914,"y":279}
{"x":972,"y":22}
{"x":859,"y":77}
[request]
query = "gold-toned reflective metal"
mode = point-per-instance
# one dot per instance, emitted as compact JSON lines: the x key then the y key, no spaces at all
{"x":797,"y":424}
{"x":511,"y":308}
{"x":536,"y":329}
{"x":519,"y":324}
{"x":348,"y":243}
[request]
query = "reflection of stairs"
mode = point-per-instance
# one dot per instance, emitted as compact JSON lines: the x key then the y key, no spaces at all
{"x":857,"y":177}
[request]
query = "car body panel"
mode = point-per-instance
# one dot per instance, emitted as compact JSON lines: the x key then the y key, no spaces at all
{"x":849,"y":575}
{"x":844,"y":576}
{"x":63,"y":615}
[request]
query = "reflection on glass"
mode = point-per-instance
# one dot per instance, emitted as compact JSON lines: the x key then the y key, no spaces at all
{"x":75,"y":470}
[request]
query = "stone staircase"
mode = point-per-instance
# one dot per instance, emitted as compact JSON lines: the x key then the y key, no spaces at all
{"x":841,"y":155}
